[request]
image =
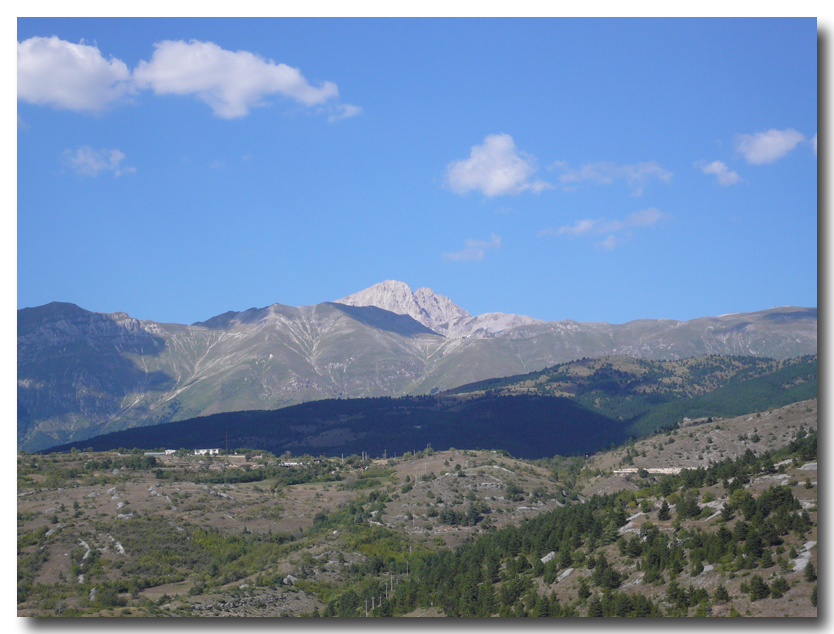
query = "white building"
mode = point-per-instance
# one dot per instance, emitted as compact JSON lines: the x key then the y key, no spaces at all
{"x":206,"y":452}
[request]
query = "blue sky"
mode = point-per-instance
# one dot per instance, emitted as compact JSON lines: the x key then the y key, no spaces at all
{"x":596,"y":170}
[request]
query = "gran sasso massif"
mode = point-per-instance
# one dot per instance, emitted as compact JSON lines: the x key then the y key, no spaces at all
{"x":82,"y":373}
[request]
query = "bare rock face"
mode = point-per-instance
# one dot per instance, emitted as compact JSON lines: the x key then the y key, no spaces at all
{"x":485,"y":326}
{"x":436,"y":312}
{"x":423,"y":305}
{"x":440,"y":308}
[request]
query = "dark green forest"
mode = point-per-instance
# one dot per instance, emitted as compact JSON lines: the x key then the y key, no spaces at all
{"x":605,"y":408}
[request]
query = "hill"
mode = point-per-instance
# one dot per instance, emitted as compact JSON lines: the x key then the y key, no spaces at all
{"x":459,"y":532}
{"x":649,"y":395}
{"x":572,"y":409}
{"x":527,"y":426}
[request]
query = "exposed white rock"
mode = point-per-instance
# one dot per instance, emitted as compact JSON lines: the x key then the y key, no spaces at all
{"x":423,"y":305}
{"x":484,"y":326}
{"x":804,"y":557}
{"x":440,"y":308}
{"x":564,"y":575}
{"x":435,"y":311}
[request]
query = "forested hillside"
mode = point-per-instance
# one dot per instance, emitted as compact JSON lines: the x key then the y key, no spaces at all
{"x":574,"y":409}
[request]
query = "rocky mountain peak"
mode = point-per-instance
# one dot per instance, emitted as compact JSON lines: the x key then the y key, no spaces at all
{"x":441,"y":309}
{"x":423,"y":305}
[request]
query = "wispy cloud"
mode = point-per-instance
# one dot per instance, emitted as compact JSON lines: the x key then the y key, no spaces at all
{"x":69,"y":76}
{"x":474,"y":250}
{"x":609,"y":243}
{"x":725,"y":176}
{"x":766,"y":147}
{"x":636,"y":175}
{"x":495,"y":168}
{"x":89,"y":162}
{"x":814,"y":144}
{"x":617,"y":230}
{"x":343,"y":111}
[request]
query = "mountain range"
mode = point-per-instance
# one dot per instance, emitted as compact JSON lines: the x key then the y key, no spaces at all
{"x":82,"y":373}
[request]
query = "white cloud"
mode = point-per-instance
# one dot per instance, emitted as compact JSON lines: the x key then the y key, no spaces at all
{"x":89,"y":162}
{"x":343,"y":111}
{"x":581,"y":227}
{"x":767,"y":147}
{"x":69,"y":76}
{"x":230,"y":82}
{"x":814,"y":144}
{"x":721,"y":171}
{"x":474,"y":250}
{"x":495,"y":168}
{"x":56,"y":73}
{"x":606,"y":172}
{"x":599,"y":226}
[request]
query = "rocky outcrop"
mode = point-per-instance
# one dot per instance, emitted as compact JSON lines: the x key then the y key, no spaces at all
{"x":435,"y":311}
{"x":423,"y":305}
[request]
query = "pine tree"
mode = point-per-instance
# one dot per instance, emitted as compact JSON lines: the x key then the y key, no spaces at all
{"x":779,"y":587}
{"x":595,"y":607}
{"x":583,"y":592}
{"x":721,"y":594}
{"x":758,"y":588}
{"x":664,"y":514}
{"x":542,"y":606}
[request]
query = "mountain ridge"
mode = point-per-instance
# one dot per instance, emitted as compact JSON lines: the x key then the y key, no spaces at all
{"x":82,"y":373}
